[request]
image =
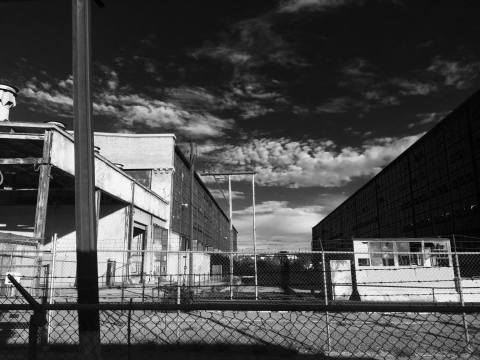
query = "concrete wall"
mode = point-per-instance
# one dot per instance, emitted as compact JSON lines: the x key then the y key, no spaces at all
{"x":409,"y":284}
{"x":137,"y":151}
{"x":109,"y":178}
{"x":111,"y":241}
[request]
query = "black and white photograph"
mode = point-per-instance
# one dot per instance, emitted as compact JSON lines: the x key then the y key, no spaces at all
{"x":239,"y":179}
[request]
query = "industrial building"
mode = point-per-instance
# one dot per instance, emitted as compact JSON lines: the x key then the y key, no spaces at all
{"x":432,"y":189}
{"x":142,"y":200}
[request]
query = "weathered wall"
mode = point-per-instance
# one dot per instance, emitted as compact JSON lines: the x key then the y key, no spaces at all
{"x":137,"y":151}
{"x":108,"y":178}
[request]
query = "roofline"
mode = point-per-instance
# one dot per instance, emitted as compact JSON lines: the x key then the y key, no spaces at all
{"x":133,"y":135}
{"x":403,"y":154}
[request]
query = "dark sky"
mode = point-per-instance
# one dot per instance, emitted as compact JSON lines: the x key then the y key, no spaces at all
{"x":315,"y":95}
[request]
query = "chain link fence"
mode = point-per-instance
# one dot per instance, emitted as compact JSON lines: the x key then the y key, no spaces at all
{"x":385,"y":300}
{"x":362,"y":331}
{"x":383,"y":276}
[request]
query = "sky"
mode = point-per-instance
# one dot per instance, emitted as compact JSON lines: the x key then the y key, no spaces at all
{"x":316,"y":96}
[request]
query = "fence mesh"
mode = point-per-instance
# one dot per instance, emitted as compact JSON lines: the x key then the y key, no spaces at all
{"x":338,"y":334}
{"x":173,"y":301}
{"x":384,"y":275}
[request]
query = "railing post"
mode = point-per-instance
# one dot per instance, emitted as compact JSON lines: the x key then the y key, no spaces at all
{"x":327,"y":320}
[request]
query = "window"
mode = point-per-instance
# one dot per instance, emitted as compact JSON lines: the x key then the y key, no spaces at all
{"x":410,"y":253}
{"x":364,"y":262}
{"x":381,"y":253}
{"x":436,"y":254}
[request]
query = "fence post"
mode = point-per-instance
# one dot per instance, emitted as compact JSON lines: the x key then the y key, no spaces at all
{"x":460,"y":292}
{"x":327,"y":320}
{"x":129,"y":331}
{"x":51,"y":297}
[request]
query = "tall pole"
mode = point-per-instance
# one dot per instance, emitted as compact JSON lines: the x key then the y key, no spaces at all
{"x":190,"y":240}
{"x":254,"y":237}
{"x":87,"y":271}
{"x":230,"y":232}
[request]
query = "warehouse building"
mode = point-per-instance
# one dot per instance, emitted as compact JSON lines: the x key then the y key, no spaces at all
{"x":432,"y":189}
{"x":142,"y":200}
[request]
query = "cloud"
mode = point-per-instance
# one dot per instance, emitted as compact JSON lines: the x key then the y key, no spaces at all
{"x":129,"y":110}
{"x":335,"y":106}
{"x":219,"y":194}
{"x":278,"y":225}
{"x":414,"y":87}
{"x":358,"y":67}
{"x":311,"y":5}
{"x":223,"y":53}
{"x":294,"y":164}
{"x":455,"y":73}
{"x":428,"y":118}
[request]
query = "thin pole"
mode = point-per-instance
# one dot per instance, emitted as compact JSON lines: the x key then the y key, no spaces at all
{"x":190,"y":240}
{"x":460,"y":291}
{"x":230,"y":233}
{"x":254,"y":237}
{"x":52,"y":285}
{"x":327,"y":320}
{"x":87,"y":266}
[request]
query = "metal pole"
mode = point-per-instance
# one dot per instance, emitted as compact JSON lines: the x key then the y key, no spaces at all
{"x":87,"y":266}
{"x":254,"y":237}
{"x":327,"y":320}
{"x":129,"y":330}
{"x":460,"y":291}
{"x":230,"y":233}
{"x":52,"y":285}
{"x":190,"y":241}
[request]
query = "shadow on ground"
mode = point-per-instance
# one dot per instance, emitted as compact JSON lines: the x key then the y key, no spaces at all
{"x":172,"y":352}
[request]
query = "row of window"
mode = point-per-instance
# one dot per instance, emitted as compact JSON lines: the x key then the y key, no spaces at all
{"x":404,"y":253}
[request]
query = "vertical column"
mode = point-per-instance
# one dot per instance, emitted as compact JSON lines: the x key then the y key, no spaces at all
{"x":42,"y":202}
{"x":230,"y":233}
{"x":87,"y":266}
{"x":254,"y":237}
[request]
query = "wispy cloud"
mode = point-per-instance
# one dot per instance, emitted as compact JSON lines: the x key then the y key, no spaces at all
{"x":312,"y":5}
{"x":335,"y":105}
{"x":128,"y":109}
{"x":455,"y":72}
{"x":221,"y":194}
{"x":428,"y":118}
{"x":284,"y":162}
{"x":414,"y":87}
{"x":279,"y":226}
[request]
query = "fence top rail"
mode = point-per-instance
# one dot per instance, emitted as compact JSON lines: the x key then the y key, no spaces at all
{"x":239,"y":253}
{"x":402,"y":307}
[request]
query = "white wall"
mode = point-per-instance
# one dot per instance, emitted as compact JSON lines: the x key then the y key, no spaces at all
{"x":137,"y":151}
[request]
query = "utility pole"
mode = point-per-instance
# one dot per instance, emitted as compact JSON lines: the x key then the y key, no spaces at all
{"x":190,"y":241}
{"x":86,"y":235}
{"x":254,"y":238}
{"x":230,"y":232}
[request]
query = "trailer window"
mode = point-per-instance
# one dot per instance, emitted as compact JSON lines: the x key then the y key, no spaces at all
{"x":436,"y":254}
{"x":410,"y":253}
{"x":381,"y":253}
